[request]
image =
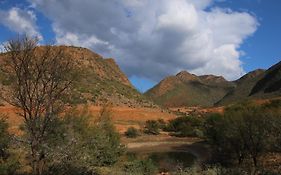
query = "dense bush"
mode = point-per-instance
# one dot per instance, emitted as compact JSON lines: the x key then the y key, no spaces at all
{"x":131,"y":132}
{"x":244,"y":131}
{"x":187,"y":126}
{"x":152,"y":127}
{"x":85,"y":144}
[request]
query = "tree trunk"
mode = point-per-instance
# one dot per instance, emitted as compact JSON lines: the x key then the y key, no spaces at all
{"x":38,"y":159}
{"x":38,"y":166}
{"x":255,"y":161}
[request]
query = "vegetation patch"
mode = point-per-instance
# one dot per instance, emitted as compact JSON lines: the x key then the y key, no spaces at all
{"x":132,"y":132}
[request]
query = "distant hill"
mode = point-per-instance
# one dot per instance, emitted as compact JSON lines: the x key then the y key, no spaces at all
{"x":185,"y":89}
{"x":243,"y":88}
{"x":100,"y":80}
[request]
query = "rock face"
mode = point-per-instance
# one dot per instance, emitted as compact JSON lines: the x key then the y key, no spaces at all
{"x":185,"y":89}
{"x":100,"y":80}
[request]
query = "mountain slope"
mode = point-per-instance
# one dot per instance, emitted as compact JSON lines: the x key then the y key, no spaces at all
{"x":100,"y":80}
{"x":186,"y":89}
{"x":270,"y":83}
{"x":243,"y":87}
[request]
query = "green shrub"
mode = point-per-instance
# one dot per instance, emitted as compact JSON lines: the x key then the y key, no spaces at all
{"x":106,"y":140}
{"x":151,"y":127}
{"x":86,"y":143}
{"x":214,"y":128}
{"x":131,"y":132}
{"x":187,"y":126}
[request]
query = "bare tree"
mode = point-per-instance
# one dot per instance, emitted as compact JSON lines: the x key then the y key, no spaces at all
{"x":40,"y":78}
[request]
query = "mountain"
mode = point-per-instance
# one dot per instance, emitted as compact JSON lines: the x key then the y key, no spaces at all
{"x":100,"y":80}
{"x":243,"y":88}
{"x":185,"y":89}
{"x":270,"y":84}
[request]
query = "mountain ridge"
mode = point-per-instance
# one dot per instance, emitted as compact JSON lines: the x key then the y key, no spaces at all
{"x":186,"y":89}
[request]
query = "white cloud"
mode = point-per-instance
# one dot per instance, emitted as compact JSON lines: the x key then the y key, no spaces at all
{"x":133,"y":3}
{"x":20,"y":21}
{"x":69,"y":38}
{"x":155,"y":38}
{"x":2,"y":48}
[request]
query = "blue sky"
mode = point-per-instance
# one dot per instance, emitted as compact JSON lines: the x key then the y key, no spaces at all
{"x":153,"y":40}
{"x":263,"y":48}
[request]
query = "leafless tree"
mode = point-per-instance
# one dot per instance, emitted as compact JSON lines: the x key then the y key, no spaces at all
{"x":40,"y":78}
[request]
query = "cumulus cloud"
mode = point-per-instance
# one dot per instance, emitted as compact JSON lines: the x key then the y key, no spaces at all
{"x":20,"y":21}
{"x":153,"y":39}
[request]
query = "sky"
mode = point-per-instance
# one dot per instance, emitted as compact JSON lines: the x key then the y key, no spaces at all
{"x":152,"y":39}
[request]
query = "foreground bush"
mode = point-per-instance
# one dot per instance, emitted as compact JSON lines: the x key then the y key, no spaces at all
{"x":131,"y":132}
{"x":245,"y":131}
{"x":85,"y":144}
